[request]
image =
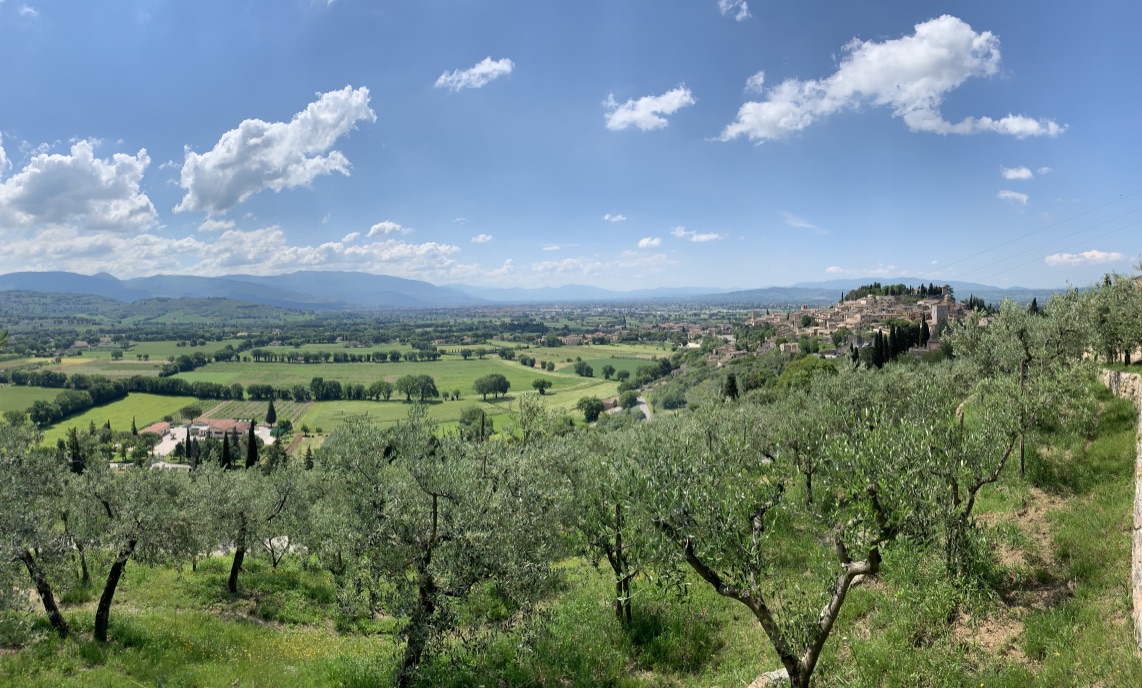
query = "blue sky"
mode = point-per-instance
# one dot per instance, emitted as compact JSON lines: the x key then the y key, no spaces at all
{"x":619,"y":143}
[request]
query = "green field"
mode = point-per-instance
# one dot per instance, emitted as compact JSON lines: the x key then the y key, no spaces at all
{"x":103,"y":365}
{"x":144,"y":408}
{"x":20,"y":398}
{"x":327,"y":415}
{"x":450,"y":374}
{"x":160,"y":350}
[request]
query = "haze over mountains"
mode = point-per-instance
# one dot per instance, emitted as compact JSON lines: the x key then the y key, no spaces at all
{"x":332,"y":290}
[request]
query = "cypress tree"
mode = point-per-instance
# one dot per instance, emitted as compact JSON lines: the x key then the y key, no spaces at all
{"x":730,"y":389}
{"x":271,"y":414}
{"x":227,"y":460}
{"x":1033,"y":309}
{"x":251,"y":447}
{"x":309,"y":458}
{"x":134,"y":430}
{"x":925,"y":333}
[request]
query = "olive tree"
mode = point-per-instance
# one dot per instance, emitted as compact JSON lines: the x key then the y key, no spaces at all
{"x":1041,"y":353}
{"x":967,"y":456}
{"x":31,"y":492}
{"x":597,"y":473}
{"x":429,"y":520}
{"x":711,"y":501}
{"x":250,"y":508}
{"x":135,"y":513}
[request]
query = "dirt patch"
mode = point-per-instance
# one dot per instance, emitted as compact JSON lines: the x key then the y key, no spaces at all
{"x":997,"y":634}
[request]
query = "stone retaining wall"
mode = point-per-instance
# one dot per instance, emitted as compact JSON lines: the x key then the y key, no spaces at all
{"x":1129,"y":386}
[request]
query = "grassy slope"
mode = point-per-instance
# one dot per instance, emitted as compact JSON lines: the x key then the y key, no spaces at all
{"x":20,"y":398}
{"x":1055,"y":613}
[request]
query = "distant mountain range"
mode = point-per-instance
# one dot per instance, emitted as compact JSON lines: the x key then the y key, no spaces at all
{"x":317,"y":290}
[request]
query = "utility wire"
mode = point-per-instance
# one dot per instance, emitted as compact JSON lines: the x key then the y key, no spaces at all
{"x":1065,"y":236}
{"x":1031,"y":233}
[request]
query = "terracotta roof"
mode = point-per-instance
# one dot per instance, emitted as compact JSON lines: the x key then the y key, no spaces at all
{"x":159,"y":428}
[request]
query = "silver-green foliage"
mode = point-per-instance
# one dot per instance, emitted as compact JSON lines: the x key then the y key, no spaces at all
{"x":427,"y":523}
{"x":716,"y":498}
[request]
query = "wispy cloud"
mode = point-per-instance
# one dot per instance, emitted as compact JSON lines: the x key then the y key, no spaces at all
{"x":738,"y":9}
{"x":1013,"y":197}
{"x":1092,"y":257}
{"x":755,"y":83}
{"x":649,"y":242}
{"x":696,"y":237}
{"x":797,"y":222}
{"x":212,"y":225}
{"x":484,"y":72}
{"x":614,"y":218}
{"x":481,"y":238}
{"x":646,"y":112}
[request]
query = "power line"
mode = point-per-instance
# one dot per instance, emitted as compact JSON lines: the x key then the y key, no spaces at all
{"x":1065,"y":236}
{"x":1066,"y":248}
{"x":1031,"y":233}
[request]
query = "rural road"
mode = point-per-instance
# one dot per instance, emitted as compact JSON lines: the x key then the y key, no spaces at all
{"x":642,"y":405}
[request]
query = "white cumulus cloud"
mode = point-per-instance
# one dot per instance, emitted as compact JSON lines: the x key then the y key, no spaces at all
{"x":1092,"y":257}
{"x":1013,"y":197}
{"x":3,"y":157}
{"x":478,"y":76}
{"x":273,"y":155}
{"x":388,"y":227}
{"x":738,"y":9}
{"x":910,"y":75}
{"x":1016,"y":173}
{"x":481,"y":238}
{"x":614,"y":218}
{"x":649,"y":242}
{"x":78,"y":189}
{"x":646,"y":112}
{"x":350,"y":237}
{"x":696,"y":237}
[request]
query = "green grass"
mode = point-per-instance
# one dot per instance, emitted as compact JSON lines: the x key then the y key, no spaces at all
{"x":327,"y":415}
{"x":449,"y":374}
{"x":181,"y":628}
{"x":160,"y":350}
{"x":144,"y":408}
{"x":103,"y":365}
{"x":20,"y":398}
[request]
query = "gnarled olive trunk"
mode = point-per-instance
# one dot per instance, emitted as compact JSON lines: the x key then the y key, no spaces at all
{"x":419,"y":625}
{"x":44,"y":589}
{"x":239,"y":557}
{"x":103,"y":611}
